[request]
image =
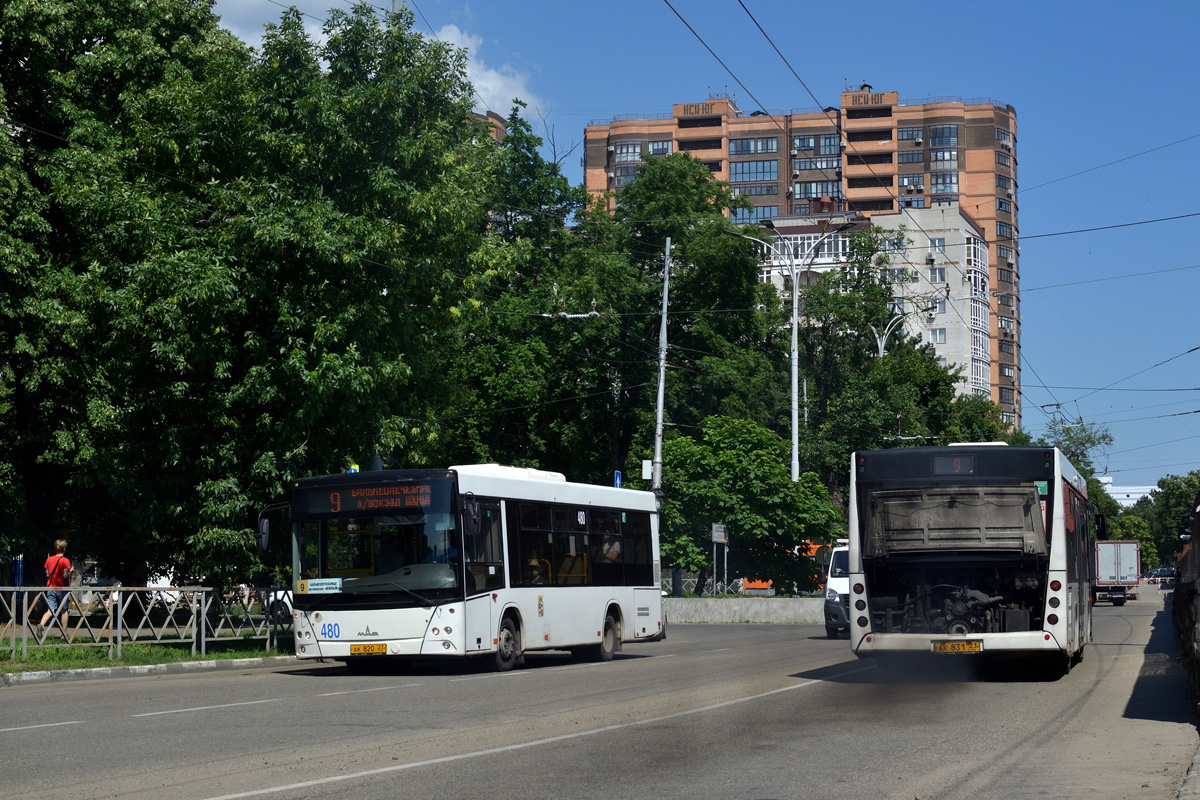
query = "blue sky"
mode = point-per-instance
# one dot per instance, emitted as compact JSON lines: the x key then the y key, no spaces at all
{"x":1108,"y":141}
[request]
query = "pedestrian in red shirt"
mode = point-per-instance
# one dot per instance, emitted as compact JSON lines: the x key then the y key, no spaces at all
{"x":57,"y":567}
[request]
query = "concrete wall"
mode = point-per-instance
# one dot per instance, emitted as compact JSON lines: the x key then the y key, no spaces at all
{"x":801,"y":610}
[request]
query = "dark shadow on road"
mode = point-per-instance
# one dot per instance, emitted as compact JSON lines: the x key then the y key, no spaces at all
{"x":1161,"y":690}
{"x":922,"y":668}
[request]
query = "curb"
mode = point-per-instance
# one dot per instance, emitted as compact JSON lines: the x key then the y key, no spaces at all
{"x":177,"y":668}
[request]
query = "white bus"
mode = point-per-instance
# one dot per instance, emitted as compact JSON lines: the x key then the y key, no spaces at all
{"x":976,"y":549}
{"x":481,"y":560}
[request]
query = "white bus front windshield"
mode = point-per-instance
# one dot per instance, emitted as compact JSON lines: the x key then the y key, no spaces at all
{"x":413,"y":554}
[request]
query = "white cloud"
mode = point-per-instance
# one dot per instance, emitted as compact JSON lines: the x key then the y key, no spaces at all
{"x":496,"y":87}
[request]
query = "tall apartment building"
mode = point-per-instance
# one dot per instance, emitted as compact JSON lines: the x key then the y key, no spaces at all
{"x":877,"y":157}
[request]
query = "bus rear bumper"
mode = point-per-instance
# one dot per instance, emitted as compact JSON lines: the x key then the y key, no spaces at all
{"x":868,"y":644}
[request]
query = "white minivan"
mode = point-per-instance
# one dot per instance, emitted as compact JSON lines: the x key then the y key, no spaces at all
{"x":837,"y":591}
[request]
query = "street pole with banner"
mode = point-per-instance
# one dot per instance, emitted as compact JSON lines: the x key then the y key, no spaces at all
{"x":719,"y":537}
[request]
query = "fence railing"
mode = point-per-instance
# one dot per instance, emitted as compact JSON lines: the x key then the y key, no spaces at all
{"x":114,"y":616}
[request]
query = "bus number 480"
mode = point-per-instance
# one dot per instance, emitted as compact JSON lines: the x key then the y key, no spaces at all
{"x":331,"y":630}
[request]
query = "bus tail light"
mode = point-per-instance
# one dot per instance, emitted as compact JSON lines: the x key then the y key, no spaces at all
{"x":1056,"y":586}
{"x":859,"y":588}
{"x":1052,"y":619}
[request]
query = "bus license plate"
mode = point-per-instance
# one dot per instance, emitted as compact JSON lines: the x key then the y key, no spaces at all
{"x":367,"y":649}
{"x":970,"y":646}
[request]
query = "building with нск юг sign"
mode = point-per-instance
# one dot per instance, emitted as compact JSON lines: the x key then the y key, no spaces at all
{"x":873,"y":155}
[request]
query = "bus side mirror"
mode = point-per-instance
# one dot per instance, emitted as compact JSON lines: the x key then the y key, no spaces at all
{"x":470,"y":514}
{"x":263,"y":534}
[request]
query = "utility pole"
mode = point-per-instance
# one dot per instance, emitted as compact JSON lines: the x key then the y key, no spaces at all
{"x":656,"y":473}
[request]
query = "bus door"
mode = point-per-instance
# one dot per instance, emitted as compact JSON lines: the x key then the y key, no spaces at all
{"x":484,"y":552}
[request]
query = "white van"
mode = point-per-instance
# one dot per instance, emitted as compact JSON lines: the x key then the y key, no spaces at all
{"x":837,"y":591}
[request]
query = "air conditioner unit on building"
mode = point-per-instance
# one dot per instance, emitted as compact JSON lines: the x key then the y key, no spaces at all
{"x":795,"y":152}
{"x":612,"y":175}
{"x":917,"y":141}
{"x":795,"y":173}
{"x":611,"y":149}
{"x":908,"y":188}
{"x":1008,"y":193}
{"x":920,"y":190}
{"x":929,"y":258}
{"x":1008,"y":147}
{"x":1009,"y":263}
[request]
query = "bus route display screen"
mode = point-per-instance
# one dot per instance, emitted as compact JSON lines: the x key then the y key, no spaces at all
{"x":954,"y":465}
{"x":378,"y":498}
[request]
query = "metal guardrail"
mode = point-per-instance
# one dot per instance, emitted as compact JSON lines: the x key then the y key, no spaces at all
{"x":114,"y":616}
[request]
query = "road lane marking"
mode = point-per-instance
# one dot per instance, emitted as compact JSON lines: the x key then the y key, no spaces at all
{"x":45,"y":725}
{"x":376,"y":689}
{"x":205,"y":708}
{"x":487,"y":677}
{"x":291,"y":787}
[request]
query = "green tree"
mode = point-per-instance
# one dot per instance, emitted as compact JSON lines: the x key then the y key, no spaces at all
{"x":1137,"y":529}
{"x":248,"y":264}
{"x":737,"y":474}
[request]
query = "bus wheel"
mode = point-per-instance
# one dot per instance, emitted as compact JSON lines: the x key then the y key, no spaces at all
{"x":1120,"y":601}
{"x":508,"y":648}
{"x":608,"y":641}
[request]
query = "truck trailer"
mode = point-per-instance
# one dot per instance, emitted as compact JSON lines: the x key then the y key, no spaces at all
{"x":1118,"y":567}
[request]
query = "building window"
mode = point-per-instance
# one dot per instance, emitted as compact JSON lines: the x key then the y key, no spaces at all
{"x":943,"y":136}
{"x":943,"y":182}
{"x":753,"y":171}
{"x":623,"y":175}
{"x":897,"y":304}
{"x":1004,"y":275}
{"x":1008,"y":418}
{"x":937,"y":246}
{"x":1004,"y":299}
{"x":756,"y":214}
{"x":1003,"y":230}
{"x":829,"y":145}
{"x":755,"y":189}
{"x":699,"y":144}
{"x":818,"y":163}
{"x":1003,"y":159}
{"x":811,"y":189}
{"x":1006,"y":324}
{"x":912,"y":202}
{"x":912,"y":157}
{"x":803,"y":142}
{"x":1003,"y":136}
{"x":1008,"y":371}
{"x":802,"y":208}
{"x":912,"y":180}
{"x":1006,"y":346}
{"x":908,"y":133}
{"x":662,"y":148}
{"x":873,"y":182}
{"x":1007,"y":395}
{"x":870,"y":205}
{"x":944,"y":198}
{"x":937,"y":274}
{"x":627,"y":151}
{"x":873,"y":158}
{"x":1003,"y":205}
{"x":1003,"y":183}
{"x":937,"y":335}
{"x":746,"y":147}
{"x":1004,"y":251}
{"x":946,"y":158}
{"x":937,"y":306}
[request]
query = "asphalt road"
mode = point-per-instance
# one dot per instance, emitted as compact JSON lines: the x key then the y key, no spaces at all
{"x":715,"y":711}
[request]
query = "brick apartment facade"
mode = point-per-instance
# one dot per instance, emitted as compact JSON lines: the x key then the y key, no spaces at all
{"x":945,"y":168}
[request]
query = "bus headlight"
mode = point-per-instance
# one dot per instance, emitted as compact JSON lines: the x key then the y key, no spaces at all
{"x":832,"y":596}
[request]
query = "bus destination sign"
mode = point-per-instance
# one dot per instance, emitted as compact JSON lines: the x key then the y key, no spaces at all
{"x":390,"y":497}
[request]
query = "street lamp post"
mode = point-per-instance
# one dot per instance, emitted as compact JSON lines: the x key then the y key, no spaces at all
{"x":893,"y":323}
{"x":794,"y":270}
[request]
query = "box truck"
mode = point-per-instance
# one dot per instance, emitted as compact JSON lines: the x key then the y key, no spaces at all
{"x":1118,"y":565}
